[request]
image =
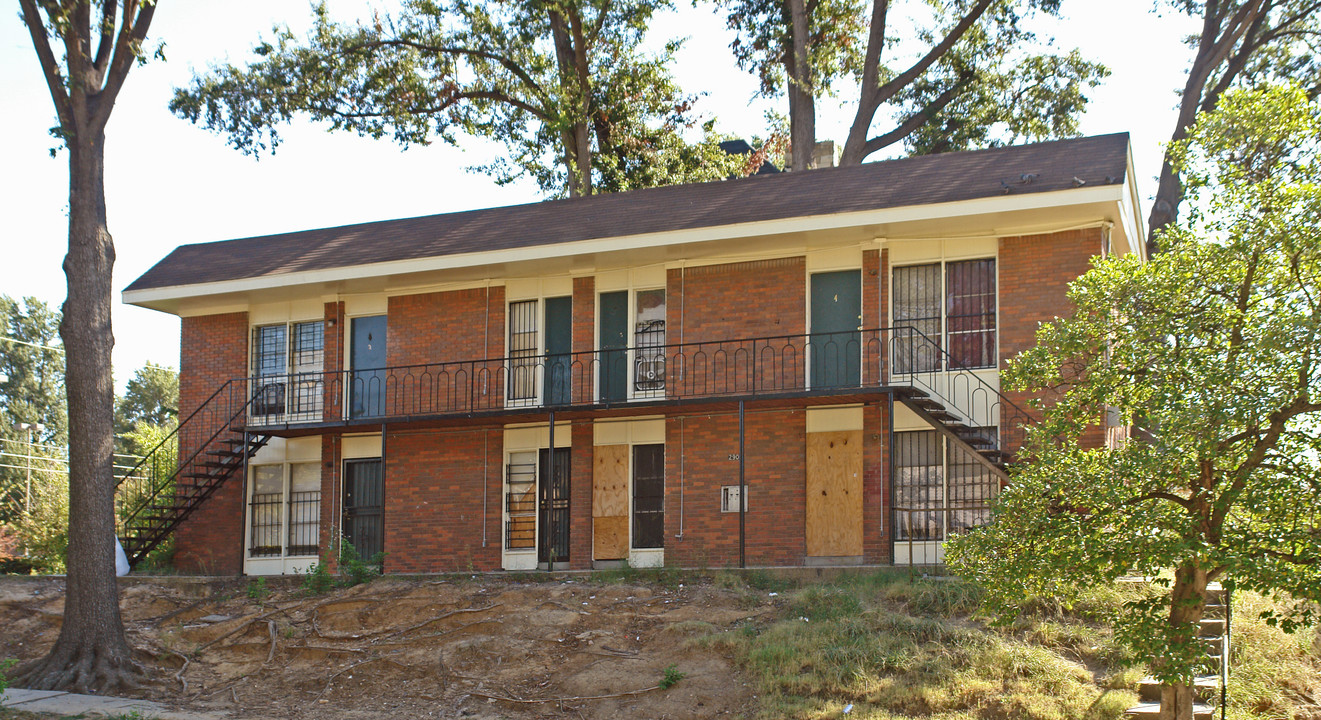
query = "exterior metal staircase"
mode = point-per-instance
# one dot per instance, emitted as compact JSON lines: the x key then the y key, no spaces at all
{"x":956,"y":401}
{"x":186,"y":468}
{"x":1210,"y":685}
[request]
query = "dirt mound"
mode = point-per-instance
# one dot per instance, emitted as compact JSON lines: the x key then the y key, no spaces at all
{"x":471,"y":647}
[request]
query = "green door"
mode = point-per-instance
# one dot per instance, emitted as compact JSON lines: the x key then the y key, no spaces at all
{"x":613,"y":345}
{"x":559,"y":348}
{"x":835,"y":350}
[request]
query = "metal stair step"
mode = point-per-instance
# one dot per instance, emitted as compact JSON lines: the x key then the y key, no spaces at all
{"x":1205,"y":688}
{"x":1151,"y":711}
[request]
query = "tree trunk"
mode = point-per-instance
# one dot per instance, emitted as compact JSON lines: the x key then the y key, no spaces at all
{"x":91,"y":653}
{"x":802,"y":100}
{"x":1188,"y":604}
{"x":571,"y":65}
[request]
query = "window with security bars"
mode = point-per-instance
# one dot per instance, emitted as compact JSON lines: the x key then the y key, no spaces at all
{"x":951,"y":307}
{"x":938,"y":488}
{"x":915,"y":293}
{"x":970,"y":312}
{"x":521,"y":501}
{"x":287,"y":361}
{"x":649,"y":341}
{"x":523,"y":350}
{"x":284,"y":517}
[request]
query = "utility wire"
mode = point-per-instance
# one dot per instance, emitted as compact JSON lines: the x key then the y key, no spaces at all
{"x":56,"y":348}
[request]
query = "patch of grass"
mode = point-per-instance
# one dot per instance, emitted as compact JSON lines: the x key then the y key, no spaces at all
{"x":1274,"y":674}
{"x":257,"y":590}
{"x":897,"y":646}
{"x":318,"y":580}
{"x":4,"y":672}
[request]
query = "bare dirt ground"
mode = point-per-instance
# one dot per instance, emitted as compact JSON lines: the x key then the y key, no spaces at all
{"x":469,"y":647}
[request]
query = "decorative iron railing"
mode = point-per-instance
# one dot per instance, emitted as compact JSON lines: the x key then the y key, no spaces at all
{"x":750,"y":368}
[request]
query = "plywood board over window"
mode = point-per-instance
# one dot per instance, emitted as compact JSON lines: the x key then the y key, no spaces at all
{"x":834,"y":494}
{"x":610,"y":502}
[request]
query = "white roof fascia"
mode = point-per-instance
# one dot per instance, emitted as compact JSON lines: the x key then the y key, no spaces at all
{"x":1009,"y":203}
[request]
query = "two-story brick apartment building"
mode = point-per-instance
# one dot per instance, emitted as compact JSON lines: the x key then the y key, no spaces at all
{"x":587,"y":381}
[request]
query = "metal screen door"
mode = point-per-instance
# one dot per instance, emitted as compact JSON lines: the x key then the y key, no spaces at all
{"x":364,"y":506}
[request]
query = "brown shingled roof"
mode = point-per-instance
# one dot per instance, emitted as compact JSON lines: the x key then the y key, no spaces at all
{"x":923,"y":180}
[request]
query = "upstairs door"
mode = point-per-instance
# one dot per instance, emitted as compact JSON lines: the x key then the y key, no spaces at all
{"x":614,"y":346}
{"x":364,"y":506}
{"x":367,"y":363}
{"x":835,"y":352}
{"x":559,"y":349}
{"x":553,"y":507}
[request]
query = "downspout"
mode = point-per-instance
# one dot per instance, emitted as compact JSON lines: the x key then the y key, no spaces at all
{"x":485,"y":466}
{"x":549,"y":499}
{"x":681,"y":430}
{"x":742,"y":495}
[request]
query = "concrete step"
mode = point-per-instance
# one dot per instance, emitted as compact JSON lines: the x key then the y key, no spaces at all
{"x":1151,"y":711}
{"x":1206,"y":688}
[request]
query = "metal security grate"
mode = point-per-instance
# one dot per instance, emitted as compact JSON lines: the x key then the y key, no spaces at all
{"x":970,"y":313}
{"x":521,"y":504}
{"x":523,"y":350}
{"x":919,"y":484}
{"x":916,"y":295}
{"x":648,"y":496}
{"x":304,"y":522}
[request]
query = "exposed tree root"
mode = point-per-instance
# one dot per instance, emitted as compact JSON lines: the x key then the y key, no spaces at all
{"x":74,"y":668}
{"x":563,"y":699}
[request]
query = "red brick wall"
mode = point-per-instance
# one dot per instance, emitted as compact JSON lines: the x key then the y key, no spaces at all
{"x":584,"y":338}
{"x":580,"y":494}
{"x":1035,"y":271}
{"x":213,"y":350}
{"x":445,"y":327}
{"x":736,"y":300}
{"x":775,"y":455}
{"x":875,"y":490}
{"x":434,"y":500}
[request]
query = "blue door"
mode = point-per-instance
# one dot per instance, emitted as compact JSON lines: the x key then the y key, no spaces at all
{"x":367,"y":362}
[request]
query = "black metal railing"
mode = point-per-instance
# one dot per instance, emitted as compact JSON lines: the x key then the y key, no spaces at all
{"x":784,"y":365}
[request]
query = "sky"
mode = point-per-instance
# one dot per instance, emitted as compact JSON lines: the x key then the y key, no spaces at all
{"x":170,"y":183}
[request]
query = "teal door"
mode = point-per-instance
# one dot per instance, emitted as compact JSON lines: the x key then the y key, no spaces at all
{"x":613,"y":344}
{"x":834,"y":348}
{"x":559,"y":349}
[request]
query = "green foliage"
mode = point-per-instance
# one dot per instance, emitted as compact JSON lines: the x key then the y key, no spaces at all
{"x":671,"y":677}
{"x":151,"y":397}
{"x":1209,"y":353}
{"x":4,"y":667}
{"x":43,"y":527}
{"x":564,"y":86}
{"x":318,"y":580}
{"x":998,"y":83}
{"x":354,"y":569}
{"x":257,"y":589}
{"x":31,"y":359}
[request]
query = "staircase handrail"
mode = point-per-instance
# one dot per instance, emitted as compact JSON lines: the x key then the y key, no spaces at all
{"x":157,"y":485}
{"x":947,"y":365}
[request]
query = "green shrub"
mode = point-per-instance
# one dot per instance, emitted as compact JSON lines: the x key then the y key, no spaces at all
{"x":318,"y":580}
{"x":257,"y":589}
{"x":354,"y":569}
{"x":671,"y":677}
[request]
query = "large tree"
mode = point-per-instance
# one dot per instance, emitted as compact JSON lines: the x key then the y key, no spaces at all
{"x":1241,"y":42}
{"x":85,"y":51}
{"x":939,"y":76}
{"x":1212,"y":351}
{"x":563,"y":85}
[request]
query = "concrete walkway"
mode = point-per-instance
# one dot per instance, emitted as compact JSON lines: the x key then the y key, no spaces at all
{"x":64,"y":704}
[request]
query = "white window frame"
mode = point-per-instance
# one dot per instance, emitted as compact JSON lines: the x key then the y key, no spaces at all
{"x":944,"y":261}
{"x":631,"y":353}
{"x":314,"y":386}
{"x":285,"y":562}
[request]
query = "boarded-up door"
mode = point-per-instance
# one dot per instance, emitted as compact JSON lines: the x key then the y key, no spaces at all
{"x":610,"y":502}
{"x":834,"y":494}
